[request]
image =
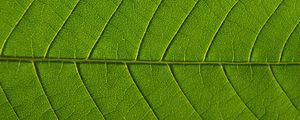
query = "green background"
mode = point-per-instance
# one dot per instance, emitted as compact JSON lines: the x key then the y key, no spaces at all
{"x":150,"y":59}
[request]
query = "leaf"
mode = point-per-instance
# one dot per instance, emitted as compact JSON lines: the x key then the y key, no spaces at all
{"x":149,"y":59}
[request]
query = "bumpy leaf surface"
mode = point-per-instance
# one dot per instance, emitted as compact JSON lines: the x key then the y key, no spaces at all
{"x":150,"y":59}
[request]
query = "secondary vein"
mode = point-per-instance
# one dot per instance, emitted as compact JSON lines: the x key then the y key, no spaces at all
{"x":234,"y":89}
{"x":139,"y":89}
{"x":180,"y":88}
{"x":59,"y":30}
{"x":13,"y":29}
{"x":44,"y":91}
{"x":88,"y":91}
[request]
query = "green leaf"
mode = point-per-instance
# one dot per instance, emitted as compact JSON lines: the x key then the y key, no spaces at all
{"x":150,"y":59}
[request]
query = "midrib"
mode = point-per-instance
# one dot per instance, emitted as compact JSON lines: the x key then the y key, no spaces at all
{"x":82,"y":60}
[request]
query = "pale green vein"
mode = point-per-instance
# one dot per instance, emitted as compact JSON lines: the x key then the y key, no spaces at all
{"x":284,"y":46}
{"x":139,"y":89}
{"x":13,"y":29}
{"x":234,"y":89}
{"x":147,"y":29}
{"x":176,"y":33}
{"x":59,"y":30}
{"x":184,"y":94}
{"x":35,"y":69}
{"x":260,"y":31}
{"x":9,"y":102}
{"x":88,"y":91}
{"x":105,"y":26}
{"x":217,"y":32}
{"x":282,"y":89}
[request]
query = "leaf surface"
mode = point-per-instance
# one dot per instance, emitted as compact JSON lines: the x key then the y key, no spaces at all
{"x":149,"y":59}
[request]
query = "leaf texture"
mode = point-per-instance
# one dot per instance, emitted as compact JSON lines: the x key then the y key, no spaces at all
{"x":149,"y":59}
